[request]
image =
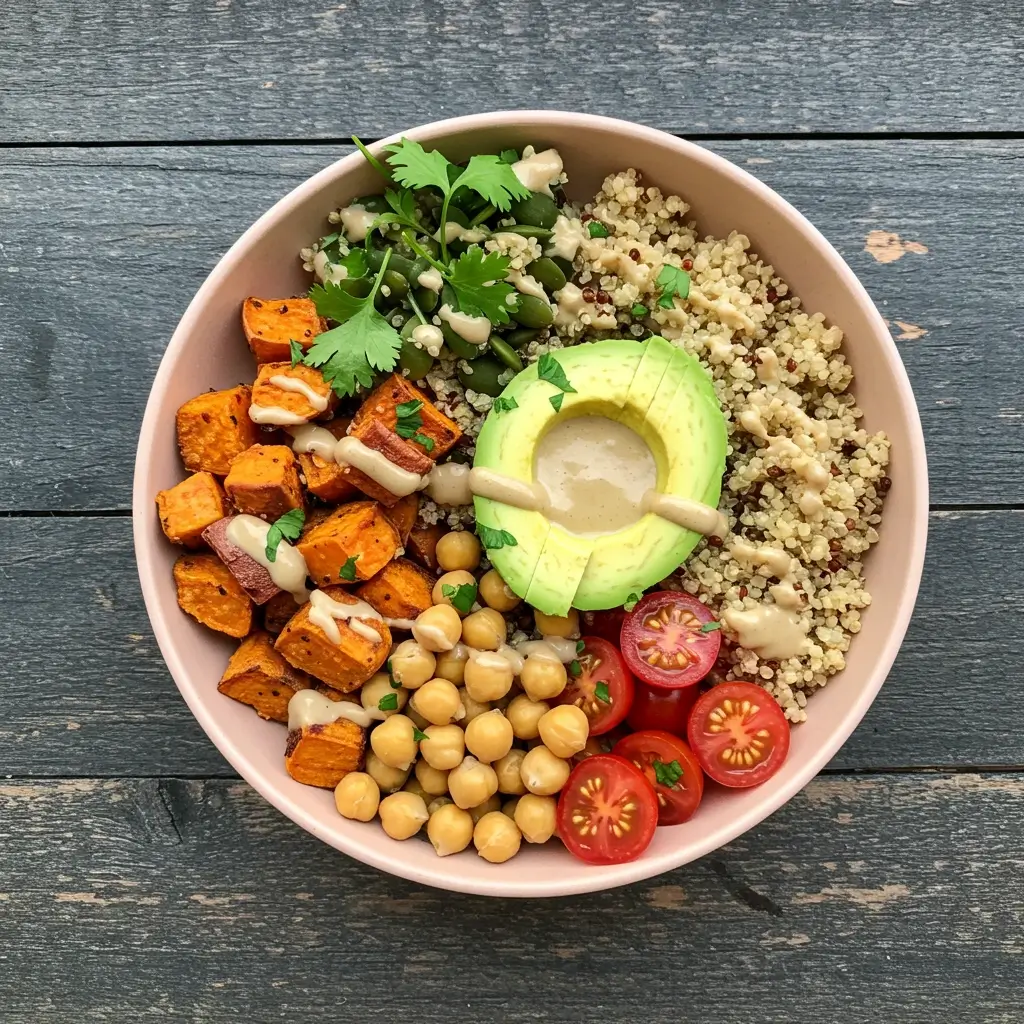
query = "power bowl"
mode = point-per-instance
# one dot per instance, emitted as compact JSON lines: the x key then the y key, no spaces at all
{"x":207,"y":350}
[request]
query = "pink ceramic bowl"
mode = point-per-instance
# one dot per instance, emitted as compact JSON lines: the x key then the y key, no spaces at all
{"x":208,"y":350}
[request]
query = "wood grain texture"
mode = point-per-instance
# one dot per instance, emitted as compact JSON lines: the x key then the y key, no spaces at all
{"x":100,"y":701}
{"x":885,"y":899}
{"x":78,"y":70}
{"x":103,"y":249}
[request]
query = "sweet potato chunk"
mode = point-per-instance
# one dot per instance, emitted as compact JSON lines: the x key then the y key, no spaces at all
{"x":344,"y":666}
{"x":326,"y":480}
{"x":382,"y":402}
{"x":253,"y":578}
{"x":258,"y":676}
{"x":278,"y":610}
{"x":270,"y":324}
{"x":264,"y":481}
{"x":422,"y":544}
{"x":282,"y":386}
{"x":359,"y":530}
{"x":188,"y":508}
{"x":401,"y":590}
{"x":211,"y":595}
{"x":383,"y":439}
{"x":322,"y":755}
{"x":403,"y":515}
{"x":215,"y":427}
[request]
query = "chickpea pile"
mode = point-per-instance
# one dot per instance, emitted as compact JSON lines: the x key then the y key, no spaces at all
{"x":467,"y":749}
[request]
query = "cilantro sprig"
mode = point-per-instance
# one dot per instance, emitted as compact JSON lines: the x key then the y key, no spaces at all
{"x":494,"y":539}
{"x":461,"y":597}
{"x":674,"y":282}
{"x":287,"y":527}
{"x":363,"y":341}
{"x":480,"y":286}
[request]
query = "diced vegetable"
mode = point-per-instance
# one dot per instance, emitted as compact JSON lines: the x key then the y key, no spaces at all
{"x":271,"y":324}
{"x":258,"y":676}
{"x":264,"y":481}
{"x":358,"y":530}
{"x":323,"y":755}
{"x":401,"y":590}
{"x":188,"y":508}
{"x":215,"y":427}
{"x":211,"y":595}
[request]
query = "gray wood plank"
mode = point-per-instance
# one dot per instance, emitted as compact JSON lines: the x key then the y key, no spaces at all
{"x":103,"y":249}
{"x":86,"y":692}
{"x":889,"y":898}
{"x":76,"y":70}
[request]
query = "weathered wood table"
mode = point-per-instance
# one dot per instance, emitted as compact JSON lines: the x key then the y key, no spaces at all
{"x":139,"y":878}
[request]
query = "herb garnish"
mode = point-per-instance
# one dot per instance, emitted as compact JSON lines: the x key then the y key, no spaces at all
{"x":409,"y":422}
{"x":575,"y":668}
{"x":601,"y":692}
{"x":667,"y":774}
{"x":556,"y":401}
{"x":710,"y":627}
{"x":395,"y":684}
{"x":494,"y":539}
{"x":480,"y":286}
{"x":296,"y":351}
{"x":550,"y":369}
{"x":418,"y":735}
{"x":348,"y":570}
{"x":509,"y":156}
{"x":632,"y":601}
{"x":673,"y":282}
{"x":579,"y":646}
{"x":389,"y":702}
{"x":501,"y":404}
{"x":597,"y":229}
{"x":288,"y":527}
{"x":639,"y":310}
{"x":461,"y":597}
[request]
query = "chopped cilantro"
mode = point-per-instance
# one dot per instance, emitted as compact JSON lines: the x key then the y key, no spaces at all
{"x":510,"y":156}
{"x":389,"y":702}
{"x":461,"y":597}
{"x":556,"y":401}
{"x":550,"y":369}
{"x":395,"y":684}
{"x":597,"y":229}
{"x":426,"y":442}
{"x":632,"y":601}
{"x":667,"y":774}
{"x":288,"y":527}
{"x":494,"y":539}
{"x":348,"y":570}
{"x":710,"y":627}
{"x":639,"y":310}
{"x":579,"y":646}
{"x":296,"y":351}
{"x":418,"y":735}
{"x":673,"y":282}
{"x":408,"y":420}
{"x":601,"y":692}
{"x":575,"y":668}
{"x":502,"y":404}
{"x":478,"y":279}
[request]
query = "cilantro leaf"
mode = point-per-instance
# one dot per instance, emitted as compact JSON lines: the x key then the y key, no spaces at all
{"x":403,"y":202}
{"x":556,"y":401}
{"x":509,"y":156}
{"x":501,"y":404}
{"x":395,"y":684}
{"x":597,"y":230}
{"x":408,"y":418}
{"x":494,"y":539}
{"x":426,"y":442}
{"x":550,"y":369}
{"x":404,"y":409}
{"x":710,"y":627}
{"x":575,"y":668}
{"x":389,"y":702}
{"x":579,"y":646}
{"x":354,"y":261}
{"x":296,"y":351}
{"x":667,"y":774}
{"x":632,"y":601}
{"x":287,"y":527}
{"x":413,"y":167}
{"x":639,"y":309}
{"x":334,"y":303}
{"x":461,"y":597}
{"x":478,"y":279}
{"x":348,"y":570}
{"x":601,"y":692}
{"x":418,"y":735}
{"x":493,"y":179}
{"x":673,"y":281}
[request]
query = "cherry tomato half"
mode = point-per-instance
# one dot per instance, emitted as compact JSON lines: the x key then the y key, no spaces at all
{"x":739,"y":734}
{"x":603,"y":744}
{"x":607,"y":812}
{"x":669,"y":766}
{"x":663,"y":642}
{"x":604,"y":687}
{"x":607,"y":624}
{"x":654,"y":707}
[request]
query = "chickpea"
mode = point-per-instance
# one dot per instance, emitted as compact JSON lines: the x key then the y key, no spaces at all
{"x":357,"y":796}
{"x":496,"y":594}
{"x":413,"y":786}
{"x":452,"y":579}
{"x":558,"y":625}
{"x":458,"y":550}
{"x":473,"y":708}
{"x":564,"y":730}
{"x":450,"y":830}
{"x":438,"y":702}
{"x":376,"y":688}
{"x":535,"y":816}
{"x":543,"y":677}
{"x":543,"y":773}
{"x":387,"y":778}
{"x":485,"y":630}
{"x":509,"y":771}
{"x":489,"y":736}
{"x":392,"y":741}
{"x":472,"y":782}
{"x":403,"y":814}
{"x":508,"y":808}
{"x":438,"y":802}
{"x":451,"y":665}
{"x":444,"y":746}
{"x":433,"y":780}
{"x":488,"y":677}
{"x":492,"y":803}
{"x":496,"y":837}
{"x":438,"y":628}
{"x":411,"y":664}
{"x":525,"y":714}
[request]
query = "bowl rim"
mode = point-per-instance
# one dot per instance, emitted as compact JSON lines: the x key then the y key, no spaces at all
{"x":587,"y":879}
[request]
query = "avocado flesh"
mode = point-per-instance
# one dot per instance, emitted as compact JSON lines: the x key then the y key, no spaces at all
{"x":657,"y":390}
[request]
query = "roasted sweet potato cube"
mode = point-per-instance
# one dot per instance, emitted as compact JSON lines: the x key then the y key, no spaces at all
{"x":401,"y":590}
{"x":278,"y":610}
{"x":188,"y":508}
{"x":382,"y":402}
{"x":359,"y":530}
{"x":270,"y":324}
{"x":403,"y":514}
{"x":345,"y":666}
{"x":322,"y":755}
{"x":215,"y":427}
{"x":211,"y":595}
{"x":264,"y":481}
{"x":258,"y":676}
{"x":395,"y":449}
{"x":326,"y":480}
{"x":422,"y":544}
{"x":299,"y":391}
{"x":252,"y":576}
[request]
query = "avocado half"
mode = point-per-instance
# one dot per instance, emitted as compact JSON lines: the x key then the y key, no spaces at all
{"x":665,"y":396}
